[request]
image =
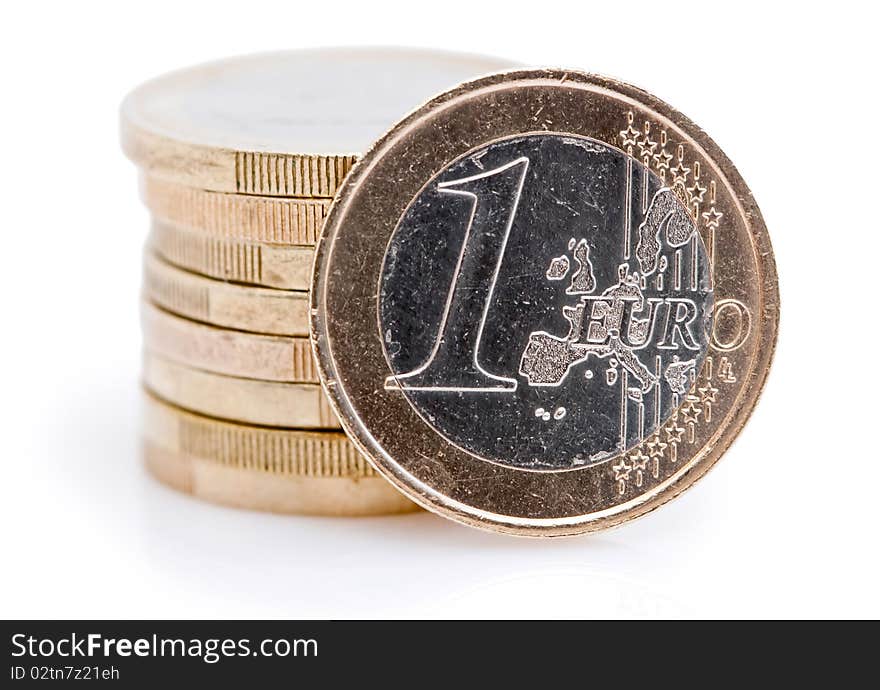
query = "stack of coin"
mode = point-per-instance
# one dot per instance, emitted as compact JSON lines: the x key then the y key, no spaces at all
{"x":239,"y":162}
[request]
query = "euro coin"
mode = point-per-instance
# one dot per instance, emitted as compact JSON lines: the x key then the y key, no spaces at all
{"x":251,"y":263}
{"x":219,"y":303}
{"x":280,"y":124}
{"x":236,"y":216}
{"x":224,"y":351}
{"x":544,"y":303}
{"x":314,"y":473}
{"x":267,"y":403}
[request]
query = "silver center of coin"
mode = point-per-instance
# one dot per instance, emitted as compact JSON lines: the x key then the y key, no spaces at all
{"x":545,"y":302}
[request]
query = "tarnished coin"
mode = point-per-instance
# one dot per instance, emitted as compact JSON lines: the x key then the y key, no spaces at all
{"x":544,"y":303}
{"x":282,"y":471}
{"x":241,"y":307}
{"x":249,"y":401}
{"x":253,"y":263}
{"x":281,"y":124}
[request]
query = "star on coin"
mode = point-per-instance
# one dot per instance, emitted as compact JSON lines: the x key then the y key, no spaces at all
{"x":708,"y":392}
{"x":621,"y":470}
{"x":680,"y":172}
{"x":690,"y":411}
{"x":674,"y":432}
{"x":639,"y":460}
{"x":647,"y":146}
{"x":697,"y":191}
{"x":656,"y":447}
{"x":629,"y":136}
{"x":662,"y":159}
{"x":712,"y":217}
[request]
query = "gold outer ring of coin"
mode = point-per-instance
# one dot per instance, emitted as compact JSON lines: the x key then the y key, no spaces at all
{"x":248,"y":401}
{"x":240,"y":307}
{"x":348,"y":343}
{"x":289,"y":471}
{"x":224,"y":351}
{"x":250,"y":263}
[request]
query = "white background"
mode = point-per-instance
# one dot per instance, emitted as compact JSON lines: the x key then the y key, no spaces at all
{"x":786,"y":525}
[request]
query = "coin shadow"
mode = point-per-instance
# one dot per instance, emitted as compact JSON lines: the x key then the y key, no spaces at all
{"x":407,"y":565}
{"x":95,"y":442}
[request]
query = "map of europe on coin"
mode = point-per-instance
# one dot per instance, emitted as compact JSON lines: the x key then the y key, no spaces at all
{"x":546,"y":301}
